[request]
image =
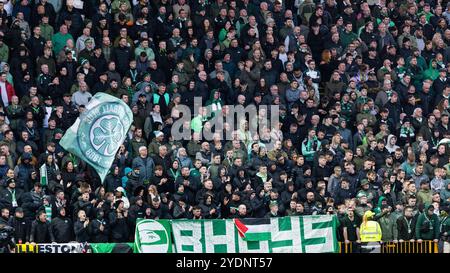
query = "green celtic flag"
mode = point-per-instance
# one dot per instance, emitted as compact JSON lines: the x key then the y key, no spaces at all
{"x":152,"y":236}
{"x":98,"y":133}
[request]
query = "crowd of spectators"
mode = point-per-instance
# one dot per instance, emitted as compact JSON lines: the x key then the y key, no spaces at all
{"x":362,"y":86}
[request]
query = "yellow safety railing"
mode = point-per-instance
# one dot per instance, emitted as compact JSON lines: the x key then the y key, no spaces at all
{"x":399,"y":247}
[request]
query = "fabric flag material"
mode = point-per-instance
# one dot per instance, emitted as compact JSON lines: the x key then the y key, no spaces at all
{"x":291,"y":234}
{"x":444,"y":141}
{"x":111,"y":247}
{"x":98,"y":133}
{"x":43,"y":174}
{"x":253,"y":229}
{"x":152,"y":236}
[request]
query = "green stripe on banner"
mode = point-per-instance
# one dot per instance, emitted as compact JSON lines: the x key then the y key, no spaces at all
{"x":322,"y":225}
{"x":284,"y":224}
{"x":261,"y":236}
{"x":186,"y":233}
{"x":315,"y":241}
{"x":302,"y":234}
{"x":281,"y":243}
{"x":187,"y":248}
{"x":253,"y":245}
{"x":202,"y":240}
{"x":219,"y":228}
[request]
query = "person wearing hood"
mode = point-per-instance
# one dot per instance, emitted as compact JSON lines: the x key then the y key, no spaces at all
{"x":137,"y":210}
{"x":432,"y":72}
{"x":391,"y":143}
{"x":120,"y":194}
{"x":113,"y":179}
{"x":208,"y":208}
{"x":99,"y":228}
{"x":427,"y":226}
{"x":22,"y":172}
{"x":61,"y":227}
{"x":215,"y":103}
{"x":184,"y":159}
{"x":133,"y":182}
{"x":118,"y":220}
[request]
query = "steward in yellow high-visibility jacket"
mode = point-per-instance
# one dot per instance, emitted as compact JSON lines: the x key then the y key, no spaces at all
{"x":370,"y":231}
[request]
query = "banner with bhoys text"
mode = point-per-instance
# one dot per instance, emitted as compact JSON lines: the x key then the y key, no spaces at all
{"x":293,"y":234}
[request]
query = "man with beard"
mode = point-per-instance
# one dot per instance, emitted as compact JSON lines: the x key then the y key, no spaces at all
{"x":406,"y":226}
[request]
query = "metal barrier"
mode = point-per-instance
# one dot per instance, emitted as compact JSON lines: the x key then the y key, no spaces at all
{"x":391,"y":247}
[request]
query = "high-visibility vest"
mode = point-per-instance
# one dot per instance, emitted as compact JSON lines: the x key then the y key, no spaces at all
{"x":370,"y":232}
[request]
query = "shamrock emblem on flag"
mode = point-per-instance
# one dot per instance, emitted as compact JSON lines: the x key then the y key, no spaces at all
{"x":107,"y":135}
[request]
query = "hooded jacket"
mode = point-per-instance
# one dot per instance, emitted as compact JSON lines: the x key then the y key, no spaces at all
{"x":388,"y":146}
{"x":431,"y":73}
{"x":98,"y":236}
{"x":61,"y":228}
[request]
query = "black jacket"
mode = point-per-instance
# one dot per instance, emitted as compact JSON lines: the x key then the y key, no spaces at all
{"x":119,"y":228}
{"x":98,"y":236}
{"x":40,"y":232}
{"x":81,"y":232}
{"x":6,"y":198}
{"x":22,"y":229}
{"x":403,"y":230}
{"x":122,"y":57}
{"x":62,"y":229}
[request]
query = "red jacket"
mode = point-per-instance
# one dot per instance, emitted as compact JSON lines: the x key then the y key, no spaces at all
{"x":9,"y":91}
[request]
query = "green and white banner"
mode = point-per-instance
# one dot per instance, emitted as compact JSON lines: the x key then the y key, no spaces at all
{"x":299,"y":234}
{"x":98,"y":133}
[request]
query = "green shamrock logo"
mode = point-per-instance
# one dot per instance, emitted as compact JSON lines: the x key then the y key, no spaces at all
{"x":107,"y":135}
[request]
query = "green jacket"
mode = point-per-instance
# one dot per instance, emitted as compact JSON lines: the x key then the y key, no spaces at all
{"x":153,"y":147}
{"x":388,"y":226}
{"x":197,"y":124}
{"x":433,"y":230}
{"x":47,"y":31}
{"x":59,"y":41}
{"x":4,"y":53}
{"x":136,"y":145}
{"x":431,"y":73}
{"x":347,"y":38}
{"x":424,"y":197}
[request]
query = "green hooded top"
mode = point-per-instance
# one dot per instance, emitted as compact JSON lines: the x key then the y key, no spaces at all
{"x":377,"y":210}
{"x":431,"y":73}
{"x":214,"y":105}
